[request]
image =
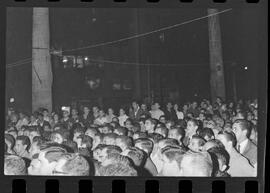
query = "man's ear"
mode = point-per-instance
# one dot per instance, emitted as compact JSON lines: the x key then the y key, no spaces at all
{"x":223,"y":168}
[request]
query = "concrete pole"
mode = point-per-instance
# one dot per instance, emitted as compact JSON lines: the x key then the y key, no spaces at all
{"x":41,"y":62}
{"x":216,"y":62}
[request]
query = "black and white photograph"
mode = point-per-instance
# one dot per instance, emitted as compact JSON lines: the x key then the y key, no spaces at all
{"x":141,"y":92}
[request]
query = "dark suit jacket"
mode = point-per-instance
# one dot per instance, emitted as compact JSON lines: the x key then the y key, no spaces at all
{"x":138,"y":115}
{"x":250,"y":152}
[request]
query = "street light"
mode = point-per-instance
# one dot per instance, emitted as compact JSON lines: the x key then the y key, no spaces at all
{"x":246,"y":68}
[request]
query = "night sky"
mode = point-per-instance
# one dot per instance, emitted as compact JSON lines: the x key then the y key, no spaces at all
{"x":185,"y":46}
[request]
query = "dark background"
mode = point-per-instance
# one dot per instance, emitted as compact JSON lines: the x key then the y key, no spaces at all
{"x":186,"y":46}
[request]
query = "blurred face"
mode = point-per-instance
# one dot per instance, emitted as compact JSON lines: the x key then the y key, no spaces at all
{"x":41,"y":166}
{"x":101,"y":113}
{"x":45,"y":113}
{"x":149,"y":126}
{"x":169,"y":105}
{"x":57,"y":138}
{"x":201,"y":116}
{"x":239,"y":134}
{"x":19,"y":147}
{"x":121,"y":112}
{"x":34,"y":149}
{"x":86,"y":110}
{"x":160,"y":131}
{"x":194,"y":145}
{"x":144,"y":107}
{"x":194,"y":105}
{"x":157,"y":106}
{"x":32,"y":118}
{"x":162,"y":119}
{"x":55,"y":117}
{"x":134,"y":105}
{"x":76,"y":135}
{"x":191,"y":127}
{"x":173,"y":134}
{"x":32,"y":135}
{"x":110,"y":111}
{"x":65,"y":114}
{"x":74,"y":112}
{"x":175,"y":107}
{"x":128,"y":124}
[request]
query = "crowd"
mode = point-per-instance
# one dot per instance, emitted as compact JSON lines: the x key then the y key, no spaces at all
{"x":195,"y":139}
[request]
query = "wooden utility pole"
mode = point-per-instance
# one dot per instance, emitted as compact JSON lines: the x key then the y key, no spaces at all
{"x":216,"y":62}
{"x":41,"y":62}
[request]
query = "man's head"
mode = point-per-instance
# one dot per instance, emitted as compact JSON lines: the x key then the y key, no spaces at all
{"x":220,"y":158}
{"x":228,"y":139}
{"x":136,"y":155}
{"x":144,"y":144}
{"x":71,"y":164}
{"x":206,"y":133}
{"x":14,"y":165}
{"x":196,"y":143}
{"x":118,"y":169}
{"x":213,"y":143}
{"x":60,"y":135}
{"x":196,"y":165}
{"x":35,"y":146}
{"x":162,"y":130}
{"x":171,"y":160}
{"x":91,"y":132}
{"x":242,"y":129}
{"x":124,"y":142}
{"x":33,"y":133}
{"x":192,"y":126}
{"x":135,"y":105}
{"x":45,"y":161}
{"x":77,"y":132}
{"x":150,"y":125}
{"x":10,"y":141}
{"x":177,"y":133}
{"x":22,"y":144}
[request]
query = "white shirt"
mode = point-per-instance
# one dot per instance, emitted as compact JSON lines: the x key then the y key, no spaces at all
{"x":122,"y":120}
{"x":180,"y":115}
{"x":156,"y":113}
{"x":243,"y":145}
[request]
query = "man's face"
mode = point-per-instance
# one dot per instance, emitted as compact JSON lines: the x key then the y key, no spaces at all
{"x":101,"y":113}
{"x":173,"y":134}
{"x":19,"y":147}
{"x":191,"y":128}
{"x":121,"y":112}
{"x":143,"y":107}
{"x":34,"y":149}
{"x":65,"y":114}
{"x":95,"y":109}
{"x":86,"y":110}
{"x":134,"y":105}
{"x":57,"y":138}
{"x":194,"y":145}
{"x":157,"y":106}
{"x":149,"y":126}
{"x":128,"y":124}
{"x":110,"y":111}
{"x":238,"y":132}
{"x":32,"y":135}
{"x":75,"y":136}
{"x":162,"y":119}
{"x":169,"y":105}
{"x":41,"y":166}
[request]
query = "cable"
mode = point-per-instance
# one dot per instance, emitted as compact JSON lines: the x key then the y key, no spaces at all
{"x":147,"y":33}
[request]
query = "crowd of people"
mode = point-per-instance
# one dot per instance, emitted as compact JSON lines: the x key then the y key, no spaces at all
{"x":217,"y":139}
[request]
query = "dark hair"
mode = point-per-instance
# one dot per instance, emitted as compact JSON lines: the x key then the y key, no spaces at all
{"x":25,"y":140}
{"x":146,"y":145}
{"x":11,"y":139}
{"x":230,"y":136}
{"x":206,"y":132}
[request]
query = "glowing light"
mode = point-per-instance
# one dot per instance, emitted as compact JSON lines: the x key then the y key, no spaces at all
{"x":246,"y":68}
{"x":86,"y":58}
{"x":11,"y":100}
{"x":65,"y":59}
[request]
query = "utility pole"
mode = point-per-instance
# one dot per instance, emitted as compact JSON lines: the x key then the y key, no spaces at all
{"x":216,"y":62}
{"x":41,"y":60}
